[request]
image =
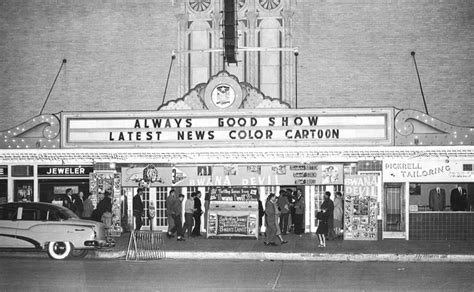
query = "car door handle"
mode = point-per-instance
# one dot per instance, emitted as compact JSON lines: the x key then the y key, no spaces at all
{"x":79,"y":229}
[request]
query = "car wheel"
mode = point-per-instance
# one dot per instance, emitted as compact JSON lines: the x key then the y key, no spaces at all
{"x":79,"y":253}
{"x":59,"y":250}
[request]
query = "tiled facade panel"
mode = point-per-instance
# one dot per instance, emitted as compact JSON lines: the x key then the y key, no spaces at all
{"x":351,"y":54}
{"x":441,"y":226}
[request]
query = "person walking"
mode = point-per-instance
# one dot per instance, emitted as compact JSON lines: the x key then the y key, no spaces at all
{"x":338,"y":213}
{"x":189,"y":215}
{"x":197,"y":214}
{"x":299,"y":212}
{"x":138,"y":209}
{"x":284,"y":206}
{"x":270,"y":220}
{"x":174,"y":205}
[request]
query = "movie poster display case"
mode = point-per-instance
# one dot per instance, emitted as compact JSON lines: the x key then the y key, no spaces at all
{"x":233,"y":212}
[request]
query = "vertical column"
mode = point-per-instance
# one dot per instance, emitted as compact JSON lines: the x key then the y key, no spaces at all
{"x":288,"y":65}
{"x":252,"y":42}
{"x":183,"y":57}
{"x":217,"y":42}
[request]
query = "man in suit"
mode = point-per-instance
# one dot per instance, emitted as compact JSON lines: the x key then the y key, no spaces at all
{"x":68,"y":201}
{"x":437,"y":199}
{"x":138,"y":209}
{"x":458,"y":199}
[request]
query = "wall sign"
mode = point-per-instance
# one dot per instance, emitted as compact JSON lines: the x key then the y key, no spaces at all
{"x":65,"y":171}
{"x":419,"y":170}
{"x":252,"y":128}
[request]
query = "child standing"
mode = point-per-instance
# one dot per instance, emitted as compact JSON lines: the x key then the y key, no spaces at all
{"x":322,"y":230}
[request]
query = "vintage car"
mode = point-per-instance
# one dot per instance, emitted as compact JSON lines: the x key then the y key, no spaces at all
{"x":48,"y":227}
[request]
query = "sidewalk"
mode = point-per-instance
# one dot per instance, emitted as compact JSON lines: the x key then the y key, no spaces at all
{"x":304,"y":248}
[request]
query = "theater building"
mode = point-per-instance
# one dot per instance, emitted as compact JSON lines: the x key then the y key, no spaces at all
{"x":240,"y":99}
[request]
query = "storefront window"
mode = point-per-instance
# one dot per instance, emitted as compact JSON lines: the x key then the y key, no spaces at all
{"x":23,"y":190}
{"x":441,"y":197}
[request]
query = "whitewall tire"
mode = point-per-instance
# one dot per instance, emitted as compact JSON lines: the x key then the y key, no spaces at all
{"x":59,"y":250}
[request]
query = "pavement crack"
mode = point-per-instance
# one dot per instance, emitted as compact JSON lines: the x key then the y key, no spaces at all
{"x":278,"y":277}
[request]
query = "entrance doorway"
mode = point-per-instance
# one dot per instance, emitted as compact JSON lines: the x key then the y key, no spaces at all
{"x":394,"y":216}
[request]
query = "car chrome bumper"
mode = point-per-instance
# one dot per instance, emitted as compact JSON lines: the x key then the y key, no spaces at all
{"x":98,"y":243}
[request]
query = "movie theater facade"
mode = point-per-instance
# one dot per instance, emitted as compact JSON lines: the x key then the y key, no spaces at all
{"x":234,"y":144}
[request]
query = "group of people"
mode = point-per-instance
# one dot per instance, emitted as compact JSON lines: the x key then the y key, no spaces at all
{"x":286,"y":212}
{"x":283,"y":214}
{"x":174,"y":206}
{"x":278,"y":212}
{"x":83,"y":207}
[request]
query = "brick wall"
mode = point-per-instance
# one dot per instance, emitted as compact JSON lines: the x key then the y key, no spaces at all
{"x":352,"y":53}
{"x":357,"y":53}
{"x":442,"y":226}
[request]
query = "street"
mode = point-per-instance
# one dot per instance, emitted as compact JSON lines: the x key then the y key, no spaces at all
{"x":42,"y":274}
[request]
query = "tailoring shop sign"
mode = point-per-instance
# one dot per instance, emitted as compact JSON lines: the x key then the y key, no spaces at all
{"x":423,"y":170}
{"x":315,"y":127}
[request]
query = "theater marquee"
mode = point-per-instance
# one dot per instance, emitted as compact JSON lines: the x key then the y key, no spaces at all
{"x":332,"y":127}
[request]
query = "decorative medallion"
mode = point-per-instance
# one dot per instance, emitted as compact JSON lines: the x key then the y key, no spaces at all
{"x":223,"y":96}
{"x":223,"y":92}
{"x":199,"y":5}
{"x":269,"y":4}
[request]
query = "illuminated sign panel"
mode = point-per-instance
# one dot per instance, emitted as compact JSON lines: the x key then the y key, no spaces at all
{"x":258,"y":128}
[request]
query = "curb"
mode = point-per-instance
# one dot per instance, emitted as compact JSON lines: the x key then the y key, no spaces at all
{"x":317,"y":257}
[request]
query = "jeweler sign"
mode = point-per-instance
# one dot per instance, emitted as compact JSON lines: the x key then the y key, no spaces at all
{"x":253,"y":128}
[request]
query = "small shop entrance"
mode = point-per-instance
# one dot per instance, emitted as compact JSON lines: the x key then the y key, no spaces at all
{"x":394,"y":215}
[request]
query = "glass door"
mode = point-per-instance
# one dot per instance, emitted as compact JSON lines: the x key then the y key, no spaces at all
{"x":394,"y":211}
